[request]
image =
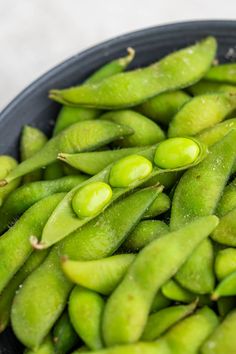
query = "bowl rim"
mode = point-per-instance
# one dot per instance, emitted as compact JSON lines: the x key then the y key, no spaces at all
{"x":118,"y":40}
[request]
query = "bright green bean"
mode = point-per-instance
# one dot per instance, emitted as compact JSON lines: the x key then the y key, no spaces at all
{"x":225,"y":233}
{"x":45,"y":348}
{"x":7,"y":164}
{"x":85,"y":311}
{"x":178,"y":70}
{"x":25,"y":196}
{"x":222,"y":73}
{"x":53,"y":171}
{"x":225,"y":262}
{"x":163,"y":107}
{"x":228,"y":199}
{"x":146,"y":132}
{"x":173,"y":291}
{"x":222,"y":340}
{"x":203,"y":86}
{"x":159,"y":302}
{"x":227,"y":287}
{"x":202,"y":112}
{"x":131,"y":301}
{"x":64,"y":336}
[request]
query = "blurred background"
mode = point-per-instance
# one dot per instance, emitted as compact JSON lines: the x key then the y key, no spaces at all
{"x":35,"y":35}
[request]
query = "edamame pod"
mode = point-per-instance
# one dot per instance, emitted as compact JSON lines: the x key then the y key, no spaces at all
{"x":177,"y":70}
{"x":188,"y":335}
{"x":101,"y":275}
{"x":203,"y":86}
{"x":45,"y":348}
{"x":31,"y":322}
{"x":145,"y":232}
{"x":79,"y":137}
{"x":222,"y":340}
{"x":227,"y":287}
{"x":225,"y":263}
{"x":131,"y":301}
{"x":32,"y":140}
{"x":7,"y":164}
{"x":228,"y":199}
{"x":225,"y":305}
{"x":225,"y":233}
{"x":173,"y":291}
{"x":53,"y":171}
{"x":85,"y":311}
{"x":25,"y":196}
{"x":15,"y":247}
{"x":161,"y":321}
{"x":163,"y":107}
{"x":222,"y":73}
{"x":159,"y":302}
{"x":201,"y":113}
{"x":64,"y":336}
{"x":158,"y":207}
{"x":146,"y":132}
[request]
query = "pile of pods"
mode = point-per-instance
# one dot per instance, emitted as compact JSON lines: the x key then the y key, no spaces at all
{"x":118,"y":234}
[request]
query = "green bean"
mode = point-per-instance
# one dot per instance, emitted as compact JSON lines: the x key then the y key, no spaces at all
{"x":222,"y":340}
{"x":225,"y":305}
{"x":31,"y":322}
{"x":145,"y":232}
{"x":63,"y":220}
{"x":201,"y":113}
{"x":77,"y":138}
{"x":8,"y":293}
{"x":101,"y":275}
{"x":178,"y":70}
{"x":159,"y":302}
{"x":131,"y":301}
{"x":32,"y":140}
{"x":202,"y":87}
{"x":72,"y":115}
{"x":161,"y":321}
{"x":163,"y":107}
{"x":146,"y":132}
{"x":228,"y":199}
{"x":225,"y":233}
{"x":225,"y":263}
{"x":222,"y":73}
{"x":64,"y":336}
{"x":173,"y":291}
{"x":188,"y":335}
{"x":15,"y":247}
{"x":85,"y":311}
{"x":95,"y":161}
{"x":24,"y":197}
{"x":7,"y":164}
{"x":53,"y":171}
{"x":226,"y":287}
{"x":45,"y":348}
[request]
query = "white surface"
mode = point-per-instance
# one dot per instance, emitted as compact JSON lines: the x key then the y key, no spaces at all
{"x":35,"y":35}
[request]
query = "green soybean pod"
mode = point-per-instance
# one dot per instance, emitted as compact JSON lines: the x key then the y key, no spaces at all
{"x":64,"y":336}
{"x":15,"y":247}
{"x":53,"y":171}
{"x":188,"y":335}
{"x":158,"y":207}
{"x":79,"y":137}
{"x":30,"y":322}
{"x":146,"y":132}
{"x":222,"y":340}
{"x":225,"y":262}
{"x":131,"y":301}
{"x":8,"y":293}
{"x":25,"y":196}
{"x":203,"y":86}
{"x":225,"y":233}
{"x":225,"y":305}
{"x":163,"y":107}
{"x":161,"y":321}
{"x":227,"y":201}
{"x":71,"y":115}
{"x":144,"y":233}
{"x":85,"y":311}
{"x":46,"y":347}
{"x":7,"y":164}
{"x":159,"y":302}
{"x":226,"y":287}
{"x":201,"y":113}
{"x":177,"y":70}
{"x":175,"y":292}
{"x":32,"y":140}
{"x":222,"y":73}
{"x":95,"y":161}
{"x":101,"y":275}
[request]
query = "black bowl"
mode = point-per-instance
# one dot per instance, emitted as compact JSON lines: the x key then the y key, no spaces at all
{"x":33,"y":107}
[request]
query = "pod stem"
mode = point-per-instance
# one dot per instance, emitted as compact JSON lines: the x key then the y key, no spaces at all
{"x":61,"y":157}
{"x":3,"y":183}
{"x":35,"y":243}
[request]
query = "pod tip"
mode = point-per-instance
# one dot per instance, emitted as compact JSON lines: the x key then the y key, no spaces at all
{"x":3,"y":183}
{"x":61,"y":156}
{"x":214,"y":297}
{"x":35,"y":243}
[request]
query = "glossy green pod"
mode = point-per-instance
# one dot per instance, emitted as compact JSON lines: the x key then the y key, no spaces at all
{"x":203,"y":86}
{"x":30,"y":322}
{"x":225,"y":232}
{"x":226,"y":287}
{"x":159,"y":206}
{"x":53,"y":171}
{"x":15,"y":247}
{"x":222,"y":73}
{"x":227,"y":201}
{"x":201,"y":113}
{"x":225,"y":262}
{"x":222,"y":340}
{"x":175,"y":292}
{"x":25,"y":196}
{"x":131,"y":301}
{"x":177,"y":70}
{"x":8,"y":293}
{"x":159,"y":302}
{"x":163,"y":107}
{"x":188,"y":335}
{"x":46,"y":347}
{"x":101,"y":275}
{"x":161,"y":321}
{"x":146,"y":132}
{"x":85,"y":311}
{"x":32,"y":140}
{"x":77,"y":138}
{"x":145,"y":232}
{"x":7,"y":164}
{"x":64,"y":336}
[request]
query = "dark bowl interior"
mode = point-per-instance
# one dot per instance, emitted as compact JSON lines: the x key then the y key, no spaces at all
{"x":33,"y":107}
